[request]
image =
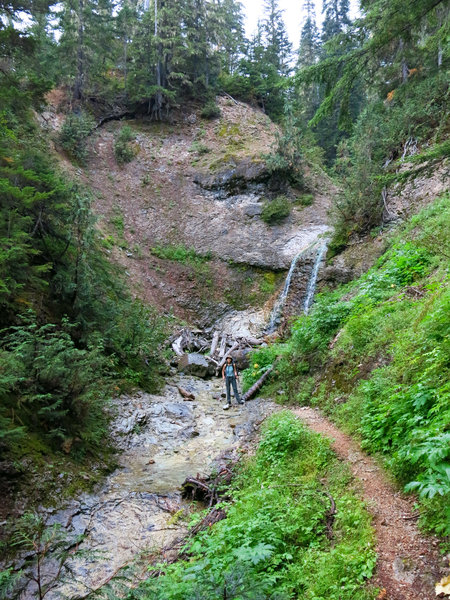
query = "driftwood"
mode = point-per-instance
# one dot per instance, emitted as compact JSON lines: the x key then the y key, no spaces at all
{"x":223,"y":346}
{"x":215,"y":341}
{"x":187,"y":395}
{"x":258,"y":385}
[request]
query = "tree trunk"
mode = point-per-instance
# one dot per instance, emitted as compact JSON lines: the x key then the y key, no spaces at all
{"x":79,"y":80}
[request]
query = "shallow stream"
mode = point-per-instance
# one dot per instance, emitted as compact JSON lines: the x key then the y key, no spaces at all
{"x":163,"y":439}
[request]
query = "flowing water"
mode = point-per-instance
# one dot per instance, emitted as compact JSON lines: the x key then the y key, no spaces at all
{"x":164,"y":439}
{"x":313,"y":279}
{"x":279,"y":305}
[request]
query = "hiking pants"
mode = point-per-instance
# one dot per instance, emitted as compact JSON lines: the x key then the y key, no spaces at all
{"x":232,"y":381}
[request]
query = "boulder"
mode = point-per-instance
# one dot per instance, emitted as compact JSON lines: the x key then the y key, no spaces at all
{"x":253,"y":210}
{"x":241,"y":358}
{"x":194,"y":364}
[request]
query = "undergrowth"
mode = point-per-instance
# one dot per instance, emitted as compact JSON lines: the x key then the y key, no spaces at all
{"x":274,"y":543}
{"x":374,"y":355}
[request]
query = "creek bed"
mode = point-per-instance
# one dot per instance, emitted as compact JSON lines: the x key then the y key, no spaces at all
{"x":163,"y":439}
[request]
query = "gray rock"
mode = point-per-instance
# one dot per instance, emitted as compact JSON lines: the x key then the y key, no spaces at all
{"x":253,"y":210}
{"x":236,"y":179}
{"x":194,"y":364}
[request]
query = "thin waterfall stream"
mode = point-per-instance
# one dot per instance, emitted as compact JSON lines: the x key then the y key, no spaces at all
{"x":279,"y":305}
{"x":313,"y":279}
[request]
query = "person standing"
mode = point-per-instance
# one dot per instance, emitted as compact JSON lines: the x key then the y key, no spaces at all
{"x":230,"y":374}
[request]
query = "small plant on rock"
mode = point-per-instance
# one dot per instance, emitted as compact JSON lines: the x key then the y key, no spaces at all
{"x":123,"y":150}
{"x":275,"y":211}
{"x":210,"y":110}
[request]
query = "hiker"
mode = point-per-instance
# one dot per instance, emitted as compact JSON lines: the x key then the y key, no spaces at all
{"x":230,"y":374}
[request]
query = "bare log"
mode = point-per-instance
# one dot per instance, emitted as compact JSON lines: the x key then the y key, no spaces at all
{"x":258,"y":385}
{"x":177,"y":346}
{"x":215,"y":341}
{"x":223,"y":345}
{"x":185,"y":393}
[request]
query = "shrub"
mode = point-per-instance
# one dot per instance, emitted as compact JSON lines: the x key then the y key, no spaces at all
{"x":199,"y":147}
{"x":275,"y":211}
{"x":210,"y":110}
{"x":305,"y":200}
{"x":74,"y":134}
{"x":123,"y":151}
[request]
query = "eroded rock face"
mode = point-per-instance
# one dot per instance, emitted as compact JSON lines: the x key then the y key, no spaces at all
{"x":239,"y":179}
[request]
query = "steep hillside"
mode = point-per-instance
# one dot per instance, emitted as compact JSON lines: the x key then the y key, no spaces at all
{"x":200,"y":186}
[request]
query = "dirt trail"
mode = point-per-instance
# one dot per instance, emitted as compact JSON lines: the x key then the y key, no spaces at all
{"x":409,"y":563}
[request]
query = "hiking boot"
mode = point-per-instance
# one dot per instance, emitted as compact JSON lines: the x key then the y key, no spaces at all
{"x":226,"y":406}
{"x":241,"y":402}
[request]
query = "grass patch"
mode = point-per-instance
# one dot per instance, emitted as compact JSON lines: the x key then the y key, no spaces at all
{"x":180,"y":253}
{"x":274,"y":542}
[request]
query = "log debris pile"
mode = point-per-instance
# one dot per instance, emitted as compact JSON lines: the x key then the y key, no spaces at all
{"x":214,"y":345}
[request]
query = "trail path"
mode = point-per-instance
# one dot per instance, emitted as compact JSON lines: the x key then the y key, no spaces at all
{"x":409,"y":563}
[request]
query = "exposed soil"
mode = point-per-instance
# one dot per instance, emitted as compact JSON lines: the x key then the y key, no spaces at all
{"x":409,"y":564}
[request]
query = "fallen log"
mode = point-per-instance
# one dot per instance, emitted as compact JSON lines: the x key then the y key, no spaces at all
{"x":223,"y":346}
{"x":258,"y":385}
{"x":185,"y":393}
{"x":177,"y":346}
{"x":215,"y":341}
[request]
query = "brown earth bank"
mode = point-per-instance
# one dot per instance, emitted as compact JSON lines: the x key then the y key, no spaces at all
{"x":200,"y":184}
{"x":409,"y":564}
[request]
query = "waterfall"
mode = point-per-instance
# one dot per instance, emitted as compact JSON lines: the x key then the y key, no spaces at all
{"x":279,"y":304}
{"x":313,"y":279}
{"x":281,"y":300}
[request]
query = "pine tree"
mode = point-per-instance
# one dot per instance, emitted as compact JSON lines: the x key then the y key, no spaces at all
{"x":309,"y":37}
{"x":336,"y":18}
{"x":230,"y":33}
{"x":86,"y":44}
{"x":277,"y":45}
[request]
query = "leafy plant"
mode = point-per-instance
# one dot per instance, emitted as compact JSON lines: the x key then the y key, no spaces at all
{"x":275,"y":211}
{"x":123,"y":149}
{"x":74,"y":134}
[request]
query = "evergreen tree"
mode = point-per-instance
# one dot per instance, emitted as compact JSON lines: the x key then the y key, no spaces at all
{"x":86,"y":45}
{"x":336,"y":18}
{"x":309,"y":37}
{"x":277,"y":45}
{"x":230,"y":34}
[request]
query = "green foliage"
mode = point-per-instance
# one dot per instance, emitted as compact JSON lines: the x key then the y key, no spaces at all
{"x":272,"y":543}
{"x":76,"y":129}
{"x":50,"y":385}
{"x":199,"y":148}
{"x":210,"y":110}
{"x":387,"y":374}
{"x":275,"y":211}
{"x":286,"y":160}
{"x":305,"y":200}
{"x":180,"y":253}
{"x":261,"y":361}
{"x":123,"y":150}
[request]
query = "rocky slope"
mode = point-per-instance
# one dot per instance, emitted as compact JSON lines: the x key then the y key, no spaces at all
{"x":201,"y":184}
